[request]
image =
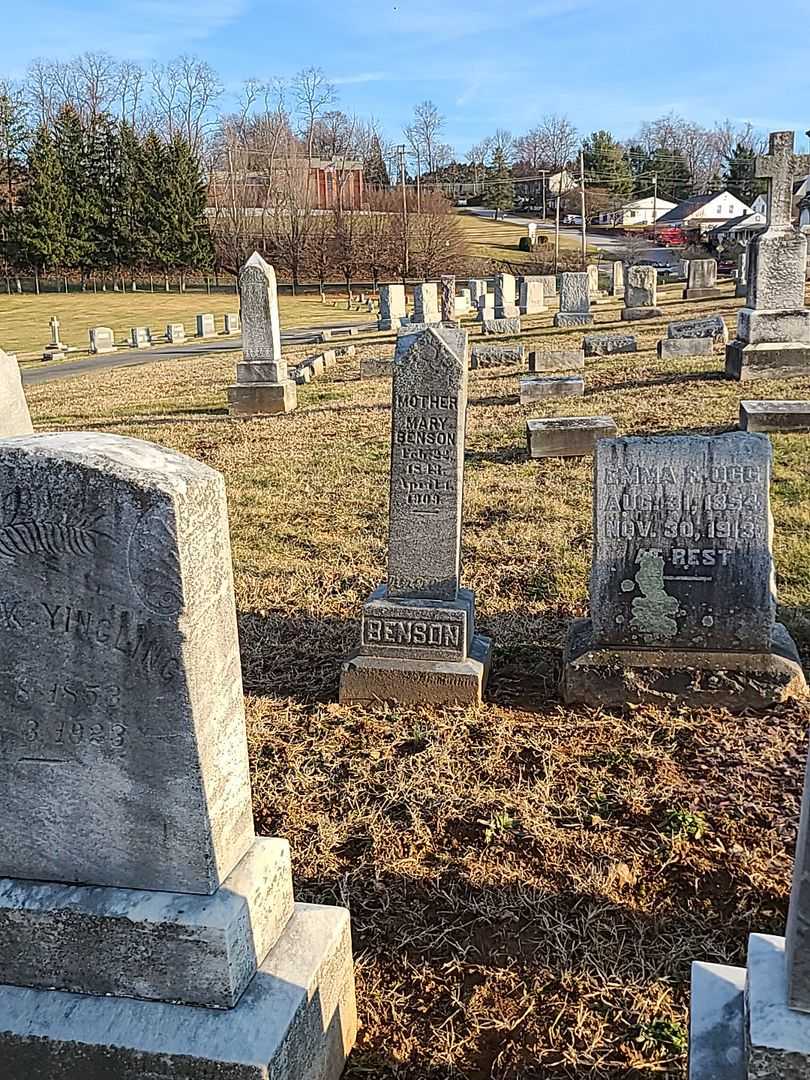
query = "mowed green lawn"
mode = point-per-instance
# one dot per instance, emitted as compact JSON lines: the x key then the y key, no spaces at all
{"x":24,"y":319}
{"x":528,"y":883}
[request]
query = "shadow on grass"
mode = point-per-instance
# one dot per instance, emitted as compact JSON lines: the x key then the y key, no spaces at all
{"x":196,"y":416}
{"x":661,"y":380}
{"x":503,"y":399}
{"x":504,"y":455}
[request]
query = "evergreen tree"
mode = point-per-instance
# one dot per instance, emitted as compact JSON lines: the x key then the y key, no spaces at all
{"x":606,"y":164}
{"x":81,"y":213}
{"x":129,"y":197}
{"x":675,"y":180}
{"x":740,"y":179}
{"x":500,"y":190}
{"x":375,"y":170}
{"x":153,"y":225}
{"x":186,"y":239}
{"x":42,"y":223}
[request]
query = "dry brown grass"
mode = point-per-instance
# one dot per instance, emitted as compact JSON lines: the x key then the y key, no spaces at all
{"x":528,"y":883}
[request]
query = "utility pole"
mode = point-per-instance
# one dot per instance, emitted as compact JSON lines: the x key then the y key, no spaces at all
{"x":406,"y":258}
{"x":418,"y":181}
{"x":655,"y":205}
{"x":582,"y":200}
{"x":557,"y":230}
{"x":543,"y":174}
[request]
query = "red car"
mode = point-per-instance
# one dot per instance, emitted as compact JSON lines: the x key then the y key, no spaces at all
{"x":669,"y":237}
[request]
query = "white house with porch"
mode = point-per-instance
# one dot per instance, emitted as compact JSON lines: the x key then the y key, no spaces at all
{"x":637,"y":213}
{"x":703,"y":212}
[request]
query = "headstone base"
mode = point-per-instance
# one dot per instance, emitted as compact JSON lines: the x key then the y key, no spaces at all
{"x":556,"y":360}
{"x":636,"y":314}
{"x":703,"y":294}
{"x":613,"y":677}
{"x":297,"y":1020}
{"x":741,"y":1026}
{"x":770,"y":360}
{"x":567,"y":436}
{"x":573,"y":318}
{"x":774,"y":416}
{"x":672,"y":348}
{"x":53,"y":354}
{"x":534,"y":388}
{"x":162,"y":946}
{"x":262,"y":399}
{"x":741,"y":288}
{"x":417,"y":682}
{"x":376,"y":369}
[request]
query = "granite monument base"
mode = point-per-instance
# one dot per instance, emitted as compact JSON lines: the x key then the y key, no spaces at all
{"x":673,"y":348}
{"x":296,"y":1020}
{"x":262,"y":399}
{"x":612,"y":676}
{"x":775,"y":416}
{"x":365,"y":679}
{"x":567,"y":436}
{"x":636,"y":314}
{"x":703,"y":294}
{"x":768,"y":360}
{"x":163,"y":946}
{"x":573,"y":318}
{"x":742,"y":1027}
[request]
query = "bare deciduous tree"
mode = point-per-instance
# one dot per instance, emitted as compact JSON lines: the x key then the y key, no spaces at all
{"x":313,"y":92}
{"x":424,"y":135}
{"x":184,"y":93}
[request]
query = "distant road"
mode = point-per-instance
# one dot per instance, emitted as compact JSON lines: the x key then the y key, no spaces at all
{"x":597,"y":240}
{"x":68,"y":369}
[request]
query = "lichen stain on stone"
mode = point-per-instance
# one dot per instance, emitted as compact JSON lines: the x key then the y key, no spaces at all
{"x":654,"y":611}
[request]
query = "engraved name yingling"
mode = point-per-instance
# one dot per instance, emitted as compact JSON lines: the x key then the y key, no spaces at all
{"x":31,"y":527}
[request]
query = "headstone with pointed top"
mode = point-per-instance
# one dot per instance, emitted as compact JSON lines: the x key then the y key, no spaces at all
{"x":262,"y":383}
{"x":773,"y":328}
{"x":682,"y":583}
{"x":418,"y":641}
{"x":143,"y":925}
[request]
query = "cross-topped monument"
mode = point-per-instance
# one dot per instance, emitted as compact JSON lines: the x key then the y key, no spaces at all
{"x":779,"y":167}
{"x":773,"y":329}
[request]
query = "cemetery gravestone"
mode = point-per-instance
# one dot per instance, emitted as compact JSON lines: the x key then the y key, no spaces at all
{"x":672,"y":348}
{"x":608,"y":344}
{"x":144,"y":928}
{"x":575,"y":303}
{"x":711,"y":326}
{"x":417,"y":638}
{"x":773,"y":328}
{"x":206,"y":326}
{"x":567,"y":436}
{"x":175,"y":333}
{"x":15,"y":418}
{"x":426,"y":304}
{"x":505,"y":297}
{"x":486,"y":356}
{"x":682,"y":592}
{"x":532,"y":297}
{"x":701,"y":281}
{"x":140,"y":337}
{"x":741,"y":288}
{"x":617,"y":279}
{"x":549,"y":284}
{"x":556,"y":359}
{"x":754,"y":1023}
{"x":534,"y":388}
{"x":775,"y":416}
{"x":102,"y":340}
{"x":448,"y":298}
{"x":233,"y":323}
{"x":393,"y":308}
{"x":55,"y":349}
{"x":593,"y":281}
{"x":500,"y":326}
{"x":262,"y":383}
{"x":478,"y":288}
{"x":641,"y":294}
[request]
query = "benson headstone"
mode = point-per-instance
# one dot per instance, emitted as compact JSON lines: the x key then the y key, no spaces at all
{"x":575,"y":302}
{"x":682,"y":584}
{"x":417,"y":638}
{"x":262,"y":383}
{"x":144,"y":928}
{"x":14,"y":416}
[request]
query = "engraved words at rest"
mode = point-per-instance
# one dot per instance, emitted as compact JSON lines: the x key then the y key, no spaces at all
{"x":683,"y":542}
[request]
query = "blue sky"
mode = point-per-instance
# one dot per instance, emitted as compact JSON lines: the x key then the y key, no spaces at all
{"x":603,"y":63}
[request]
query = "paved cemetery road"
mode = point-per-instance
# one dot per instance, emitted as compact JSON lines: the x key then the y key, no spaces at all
{"x":598,"y":240}
{"x":69,"y":369}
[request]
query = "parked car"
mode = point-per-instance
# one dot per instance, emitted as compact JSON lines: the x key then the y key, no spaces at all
{"x":572,"y":219}
{"x":669,"y":237}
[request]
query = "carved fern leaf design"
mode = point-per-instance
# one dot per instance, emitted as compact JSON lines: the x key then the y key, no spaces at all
{"x":46,"y":538}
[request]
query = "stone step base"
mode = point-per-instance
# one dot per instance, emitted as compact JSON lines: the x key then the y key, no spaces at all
{"x":297,"y":1020}
{"x":262,"y":399}
{"x":636,"y":314}
{"x":417,"y":682}
{"x":613,"y":677}
{"x":777,"y":360}
{"x":703,"y":294}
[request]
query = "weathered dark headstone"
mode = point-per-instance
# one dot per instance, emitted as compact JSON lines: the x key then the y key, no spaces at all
{"x":501,"y":326}
{"x":701,"y":281}
{"x":673,"y":348}
{"x":641,"y":294}
{"x":486,"y":356}
{"x":608,"y":344}
{"x":543,"y":360}
{"x":417,"y":639}
{"x":448,"y":298}
{"x":682,"y":578}
{"x":575,"y":301}
{"x":711,"y":326}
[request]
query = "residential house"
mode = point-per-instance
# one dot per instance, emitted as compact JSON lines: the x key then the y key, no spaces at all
{"x":702,"y":213}
{"x":640,"y":212}
{"x":738,"y":232}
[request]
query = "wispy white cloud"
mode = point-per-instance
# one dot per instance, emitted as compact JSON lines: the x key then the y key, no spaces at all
{"x":361,"y":77}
